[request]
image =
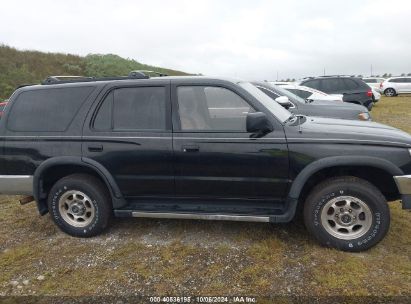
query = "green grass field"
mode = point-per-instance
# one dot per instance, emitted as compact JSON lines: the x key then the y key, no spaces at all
{"x":176,"y":257}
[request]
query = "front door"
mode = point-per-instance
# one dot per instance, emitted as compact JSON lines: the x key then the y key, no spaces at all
{"x":129,"y":133}
{"x":215,"y":157}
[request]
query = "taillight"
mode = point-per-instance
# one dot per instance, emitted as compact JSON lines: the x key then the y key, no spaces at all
{"x":380,"y":85}
{"x":369,"y":93}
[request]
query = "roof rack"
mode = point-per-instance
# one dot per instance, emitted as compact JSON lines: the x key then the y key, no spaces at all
{"x":325,"y":76}
{"x":74,"y":79}
{"x":146,"y":72}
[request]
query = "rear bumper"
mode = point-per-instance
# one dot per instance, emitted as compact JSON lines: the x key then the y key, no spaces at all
{"x":404,"y":187}
{"x":16,"y":184}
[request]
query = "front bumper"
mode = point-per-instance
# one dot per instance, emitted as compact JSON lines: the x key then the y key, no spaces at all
{"x":404,"y":187}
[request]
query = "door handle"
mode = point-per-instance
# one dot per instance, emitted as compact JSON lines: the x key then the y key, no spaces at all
{"x":96,"y":148}
{"x":191,"y":148}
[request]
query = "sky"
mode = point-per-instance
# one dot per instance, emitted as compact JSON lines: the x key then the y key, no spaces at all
{"x":252,"y":40}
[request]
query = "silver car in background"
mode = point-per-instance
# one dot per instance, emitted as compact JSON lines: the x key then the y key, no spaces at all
{"x":396,"y":85}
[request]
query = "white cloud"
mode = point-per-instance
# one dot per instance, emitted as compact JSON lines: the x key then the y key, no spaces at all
{"x":247,"y":39}
{"x":319,"y":24}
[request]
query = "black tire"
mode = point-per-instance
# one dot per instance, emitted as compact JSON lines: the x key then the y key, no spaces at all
{"x":95,"y":196}
{"x":317,"y":209}
{"x":390,"y":92}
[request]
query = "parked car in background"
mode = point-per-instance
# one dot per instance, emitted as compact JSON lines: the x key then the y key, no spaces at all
{"x":320,"y":108}
{"x":376,"y":96}
{"x":396,"y":85}
{"x":2,"y":106}
{"x":374,"y":82}
{"x":280,"y":83}
{"x":354,"y":89}
{"x":312,"y":94}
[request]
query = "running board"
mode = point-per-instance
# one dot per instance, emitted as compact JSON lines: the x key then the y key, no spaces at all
{"x":197,"y":216}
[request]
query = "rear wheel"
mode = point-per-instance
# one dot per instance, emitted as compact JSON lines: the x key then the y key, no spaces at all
{"x":80,"y":205}
{"x":347,"y":213}
{"x":390,"y":92}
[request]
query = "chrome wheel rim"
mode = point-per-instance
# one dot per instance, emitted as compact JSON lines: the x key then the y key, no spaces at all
{"x":76,"y":208}
{"x":389,"y":92}
{"x":346,"y":217}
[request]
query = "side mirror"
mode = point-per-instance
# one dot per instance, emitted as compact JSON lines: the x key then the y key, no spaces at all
{"x":258,"y":124}
{"x":283,"y":101}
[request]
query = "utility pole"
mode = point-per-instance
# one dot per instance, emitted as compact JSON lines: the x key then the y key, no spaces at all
{"x":371,"y":70}
{"x":277,"y":76}
{"x":324,"y":72}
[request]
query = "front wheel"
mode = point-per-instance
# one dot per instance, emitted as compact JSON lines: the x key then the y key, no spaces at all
{"x":79,"y":204}
{"x":347,"y":213}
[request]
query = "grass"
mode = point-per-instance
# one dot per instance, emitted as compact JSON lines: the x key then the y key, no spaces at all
{"x":159,"y":257}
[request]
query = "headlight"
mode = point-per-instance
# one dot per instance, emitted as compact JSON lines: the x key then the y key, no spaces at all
{"x":364,"y":116}
{"x":409,"y":150}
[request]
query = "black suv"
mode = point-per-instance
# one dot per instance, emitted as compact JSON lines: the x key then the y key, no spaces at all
{"x":199,"y":148}
{"x":354,"y":90}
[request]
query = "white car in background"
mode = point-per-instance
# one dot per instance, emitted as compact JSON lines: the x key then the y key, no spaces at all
{"x":375,"y":94}
{"x":312,"y":94}
{"x":374,"y":82}
{"x":396,"y":85}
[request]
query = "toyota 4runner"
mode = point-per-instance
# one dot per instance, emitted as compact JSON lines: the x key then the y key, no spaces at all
{"x":198,"y":148}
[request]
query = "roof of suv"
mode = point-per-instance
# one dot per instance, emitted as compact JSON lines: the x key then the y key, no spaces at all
{"x":128,"y":81}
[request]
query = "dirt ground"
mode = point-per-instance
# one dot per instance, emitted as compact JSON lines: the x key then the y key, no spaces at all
{"x":149,"y":257}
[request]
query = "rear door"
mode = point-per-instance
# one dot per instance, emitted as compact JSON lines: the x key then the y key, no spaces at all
{"x":401,"y":84}
{"x":215,"y":156}
{"x":129,"y":133}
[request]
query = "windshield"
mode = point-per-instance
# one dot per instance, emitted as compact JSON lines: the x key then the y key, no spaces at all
{"x":278,"y":111}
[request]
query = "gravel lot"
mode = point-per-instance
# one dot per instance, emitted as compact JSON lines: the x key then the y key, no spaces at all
{"x":180,"y":257}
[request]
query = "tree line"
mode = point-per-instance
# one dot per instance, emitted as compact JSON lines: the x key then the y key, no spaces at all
{"x":30,"y":67}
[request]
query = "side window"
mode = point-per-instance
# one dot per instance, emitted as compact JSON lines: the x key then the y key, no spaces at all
{"x":205,"y":108}
{"x":330,"y":85}
{"x":270,"y":94}
{"x":46,"y":110}
{"x":398,"y":80}
{"x":315,"y":84}
{"x":124,"y":109}
{"x":350,"y":84}
{"x":103,"y":120}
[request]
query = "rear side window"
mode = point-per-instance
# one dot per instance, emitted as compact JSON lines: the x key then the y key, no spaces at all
{"x":46,"y":110}
{"x":332,"y":84}
{"x":132,"y":109}
{"x":398,"y":80}
{"x":350,"y":84}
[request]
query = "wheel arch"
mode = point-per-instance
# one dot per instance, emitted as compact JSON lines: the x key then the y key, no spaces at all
{"x":58,"y":167}
{"x":341,"y":162}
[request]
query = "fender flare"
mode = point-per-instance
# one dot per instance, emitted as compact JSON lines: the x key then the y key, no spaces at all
{"x":338,"y":161}
{"x":100,"y":170}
